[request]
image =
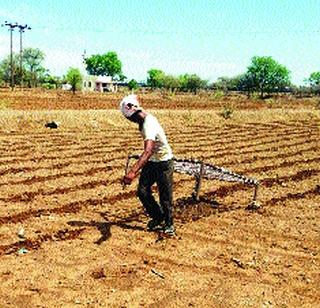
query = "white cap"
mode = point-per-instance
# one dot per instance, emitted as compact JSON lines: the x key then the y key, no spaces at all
{"x":129,"y":105}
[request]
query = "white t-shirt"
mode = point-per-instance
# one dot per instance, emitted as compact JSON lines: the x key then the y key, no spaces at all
{"x":152,"y":130}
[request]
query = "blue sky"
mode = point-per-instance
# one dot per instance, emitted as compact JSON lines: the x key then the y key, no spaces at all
{"x":210,"y":38}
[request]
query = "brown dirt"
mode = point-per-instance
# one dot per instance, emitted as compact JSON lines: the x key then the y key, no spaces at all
{"x":86,"y":240}
{"x":40,"y":99}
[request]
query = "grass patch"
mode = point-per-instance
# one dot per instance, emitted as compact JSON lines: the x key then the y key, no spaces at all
{"x":270,"y":101}
{"x":5,"y":104}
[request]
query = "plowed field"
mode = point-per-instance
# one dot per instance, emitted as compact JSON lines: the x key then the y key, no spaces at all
{"x":84,"y":241}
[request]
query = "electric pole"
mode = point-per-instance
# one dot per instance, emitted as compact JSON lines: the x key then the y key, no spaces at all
{"x":11,"y":29}
{"x":21,"y":30}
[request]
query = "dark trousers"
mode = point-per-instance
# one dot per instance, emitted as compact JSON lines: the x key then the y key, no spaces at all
{"x":162,"y":174}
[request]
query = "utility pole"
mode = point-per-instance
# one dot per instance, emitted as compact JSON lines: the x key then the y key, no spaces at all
{"x":21,"y":30}
{"x":11,"y":29}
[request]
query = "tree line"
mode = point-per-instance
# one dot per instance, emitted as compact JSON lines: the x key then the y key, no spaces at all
{"x":264,"y":76}
{"x":28,"y":70}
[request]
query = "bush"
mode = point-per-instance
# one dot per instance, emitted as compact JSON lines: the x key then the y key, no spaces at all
{"x":302,"y":91}
{"x":255,"y":96}
{"x":218,"y":94}
{"x":227,"y":112}
{"x":48,"y":86}
{"x":133,"y":85}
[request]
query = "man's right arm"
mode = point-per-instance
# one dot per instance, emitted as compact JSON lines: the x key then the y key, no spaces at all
{"x":143,"y":159}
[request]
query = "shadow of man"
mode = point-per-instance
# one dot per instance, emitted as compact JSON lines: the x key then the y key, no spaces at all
{"x":105,"y":227}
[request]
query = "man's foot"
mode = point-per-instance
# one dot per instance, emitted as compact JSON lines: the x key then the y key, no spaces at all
{"x":169,"y":230}
{"x":154,"y":225}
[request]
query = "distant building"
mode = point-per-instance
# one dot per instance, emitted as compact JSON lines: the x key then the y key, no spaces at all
{"x":89,"y":83}
{"x":98,"y":83}
{"x":66,"y":87}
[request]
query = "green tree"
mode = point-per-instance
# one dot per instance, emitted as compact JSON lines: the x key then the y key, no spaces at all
{"x":5,"y":69}
{"x":32,"y":68}
{"x":155,"y":78}
{"x":32,"y":60}
{"x":74,"y":78}
{"x":314,"y":81}
{"x":1,"y":77}
{"x":171,"y":83}
{"x":246,"y":83}
{"x":226,"y":84}
{"x":106,"y":64}
{"x":268,"y":75}
{"x":133,"y":85}
{"x":51,"y":82}
{"x":192,"y":83}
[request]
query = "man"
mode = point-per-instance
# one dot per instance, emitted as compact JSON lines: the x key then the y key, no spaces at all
{"x":156,"y":163}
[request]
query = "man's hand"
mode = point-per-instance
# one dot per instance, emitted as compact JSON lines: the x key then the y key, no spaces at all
{"x":143,"y":159}
{"x":128,"y":178}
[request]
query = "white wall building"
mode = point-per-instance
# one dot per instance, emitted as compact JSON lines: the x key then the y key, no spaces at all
{"x":98,"y":83}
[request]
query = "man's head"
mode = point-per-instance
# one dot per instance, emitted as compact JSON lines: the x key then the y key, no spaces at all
{"x":129,"y":106}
